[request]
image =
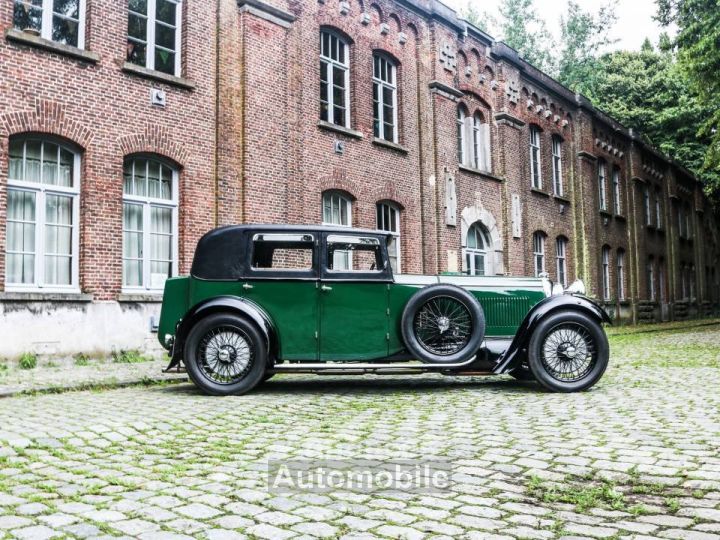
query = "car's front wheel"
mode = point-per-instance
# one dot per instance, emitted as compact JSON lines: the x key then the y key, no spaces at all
{"x":225,"y":355}
{"x":568,"y":352}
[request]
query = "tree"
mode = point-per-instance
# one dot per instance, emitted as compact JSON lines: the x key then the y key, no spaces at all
{"x":583,"y":36}
{"x":525,"y":31}
{"x":697,"y":44}
{"x":649,"y":92}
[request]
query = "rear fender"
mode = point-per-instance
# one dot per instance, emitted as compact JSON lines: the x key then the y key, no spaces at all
{"x":224,"y":304}
{"x":569,"y":302}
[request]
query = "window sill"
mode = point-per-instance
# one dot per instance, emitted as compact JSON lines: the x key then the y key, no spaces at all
{"x":25,"y":38}
{"x":391,"y":145}
{"x":539,"y":192}
{"x":180,"y":82}
{"x":620,"y":217}
{"x":37,"y":296}
{"x":140,"y":297}
{"x":478,"y":172}
{"x":562,"y":199}
{"x":322,"y":124}
{"x":605,"y":213}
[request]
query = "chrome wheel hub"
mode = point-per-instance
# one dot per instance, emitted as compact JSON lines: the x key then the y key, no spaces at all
{"x":568,"y":352}
{"x":225,"y":355}
{"x":443,"y":324}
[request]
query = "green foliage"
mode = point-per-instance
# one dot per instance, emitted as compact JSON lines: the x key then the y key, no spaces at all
{"x":648,"y":92}
{"x":81,"y":359}
{"x":129,"y":357}
{"x":698,"y":50}
{"x":583,"y":496}
{"x":525,"y":31}
{"x":28,"y":361}
{"x":583,"y":34}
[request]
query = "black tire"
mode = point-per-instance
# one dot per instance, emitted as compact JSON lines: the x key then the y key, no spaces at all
{"x":568,"y":352}
{"x":225,"y":355}
{"x":443,"y":324}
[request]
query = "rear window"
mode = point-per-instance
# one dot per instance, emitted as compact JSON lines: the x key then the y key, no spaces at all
{"x":282,"y":252}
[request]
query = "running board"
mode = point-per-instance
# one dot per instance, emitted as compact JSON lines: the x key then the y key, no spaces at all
{"x":395,"y":368}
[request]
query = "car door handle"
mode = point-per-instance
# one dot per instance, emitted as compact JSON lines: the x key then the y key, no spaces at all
{"x":325,"y":288}
{"x":247,"y":286}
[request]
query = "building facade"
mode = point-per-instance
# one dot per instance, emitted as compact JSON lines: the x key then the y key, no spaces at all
{"x":127,"y":130}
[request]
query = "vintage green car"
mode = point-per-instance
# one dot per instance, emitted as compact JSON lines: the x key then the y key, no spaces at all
{"x":267,"y":299}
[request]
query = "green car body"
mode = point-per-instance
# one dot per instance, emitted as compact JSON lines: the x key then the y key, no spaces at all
{"x":328,"y":295}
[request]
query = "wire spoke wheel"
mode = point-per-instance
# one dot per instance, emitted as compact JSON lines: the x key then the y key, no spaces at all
{"x":224,"y":355}
{"x":569,"y":352}
{"x":443,"y":325}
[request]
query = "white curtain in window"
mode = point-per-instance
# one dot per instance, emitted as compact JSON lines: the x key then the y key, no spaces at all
{"x":20,"y":259}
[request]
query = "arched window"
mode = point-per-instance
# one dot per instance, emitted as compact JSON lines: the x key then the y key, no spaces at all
{"x":478,"y":256}
{"x":385,"y":98}
{"x":334,"y":79}
{"x":388,"y":219}
{"x":473,"y":140}
{"x":539,"y":252}
{"x":606,"y":293}
{"x":557,"y":165}
{"x":561,"y":259}
{"x":647,"y":204}
{"x":337,"y":209}
{"x":602,"y":185}
{"x":621,"y":274}
{"x":461,"y":134}
{"x":42,"y":215}
{"x":535,"y":172}
{"x":617,"y":191}
{"x":150,"y":221}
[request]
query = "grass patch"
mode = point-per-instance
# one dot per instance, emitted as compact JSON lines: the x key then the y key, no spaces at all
{"x":28,"y":361}
{"x":81,"y":359}
{"x":583,"y":496}
{"x":129,"y":357}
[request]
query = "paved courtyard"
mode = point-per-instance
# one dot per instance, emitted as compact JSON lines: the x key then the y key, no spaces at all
{"x":636,"y":457}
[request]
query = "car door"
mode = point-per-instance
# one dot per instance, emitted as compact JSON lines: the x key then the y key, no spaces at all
{"x":353,"y":302}
{"x":282,"y":278}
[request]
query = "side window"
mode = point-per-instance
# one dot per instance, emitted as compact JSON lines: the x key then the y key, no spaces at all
{"x":354,"y":254}
{"x":282,"y":252}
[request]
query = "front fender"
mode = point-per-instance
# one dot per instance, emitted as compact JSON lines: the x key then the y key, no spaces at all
{"x":571,"y":302}
{"x":229,"y":304}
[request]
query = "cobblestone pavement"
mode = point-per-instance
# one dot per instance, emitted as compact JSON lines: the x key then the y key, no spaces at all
{"x":636,"y":457}
{"x":55,"y":374}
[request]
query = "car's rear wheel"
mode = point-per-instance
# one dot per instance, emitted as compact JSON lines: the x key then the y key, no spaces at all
{"x":443,"y":324}
{"x":225,"y":355}
{"x":568,"y":352}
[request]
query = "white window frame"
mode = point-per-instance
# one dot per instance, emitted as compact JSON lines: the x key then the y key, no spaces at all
{"x":561,"y":244}
{"x":617,"y":191}
{"x":151,"y":21}
{"x":334,"y":65}
{"x":606,"y":273}
{"x":646,"y":205}
{"x":621,"y":274}
{"x":539,"y":252}
{"x":658,"y":208}
{"x":41,"y":192}
{"x":393,"y":228}
{"x":535,"y":161}
{"x":47,"y":20}
{"x":557,"y":147}
{"x":379,"y":85}
{"x":147,"y":204}
{"x":342,"y":199}
{"x":469,"y":252}
{"x":602,"y":185}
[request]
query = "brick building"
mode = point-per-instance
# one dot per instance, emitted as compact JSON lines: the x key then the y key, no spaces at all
{"x":128,"y":129}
